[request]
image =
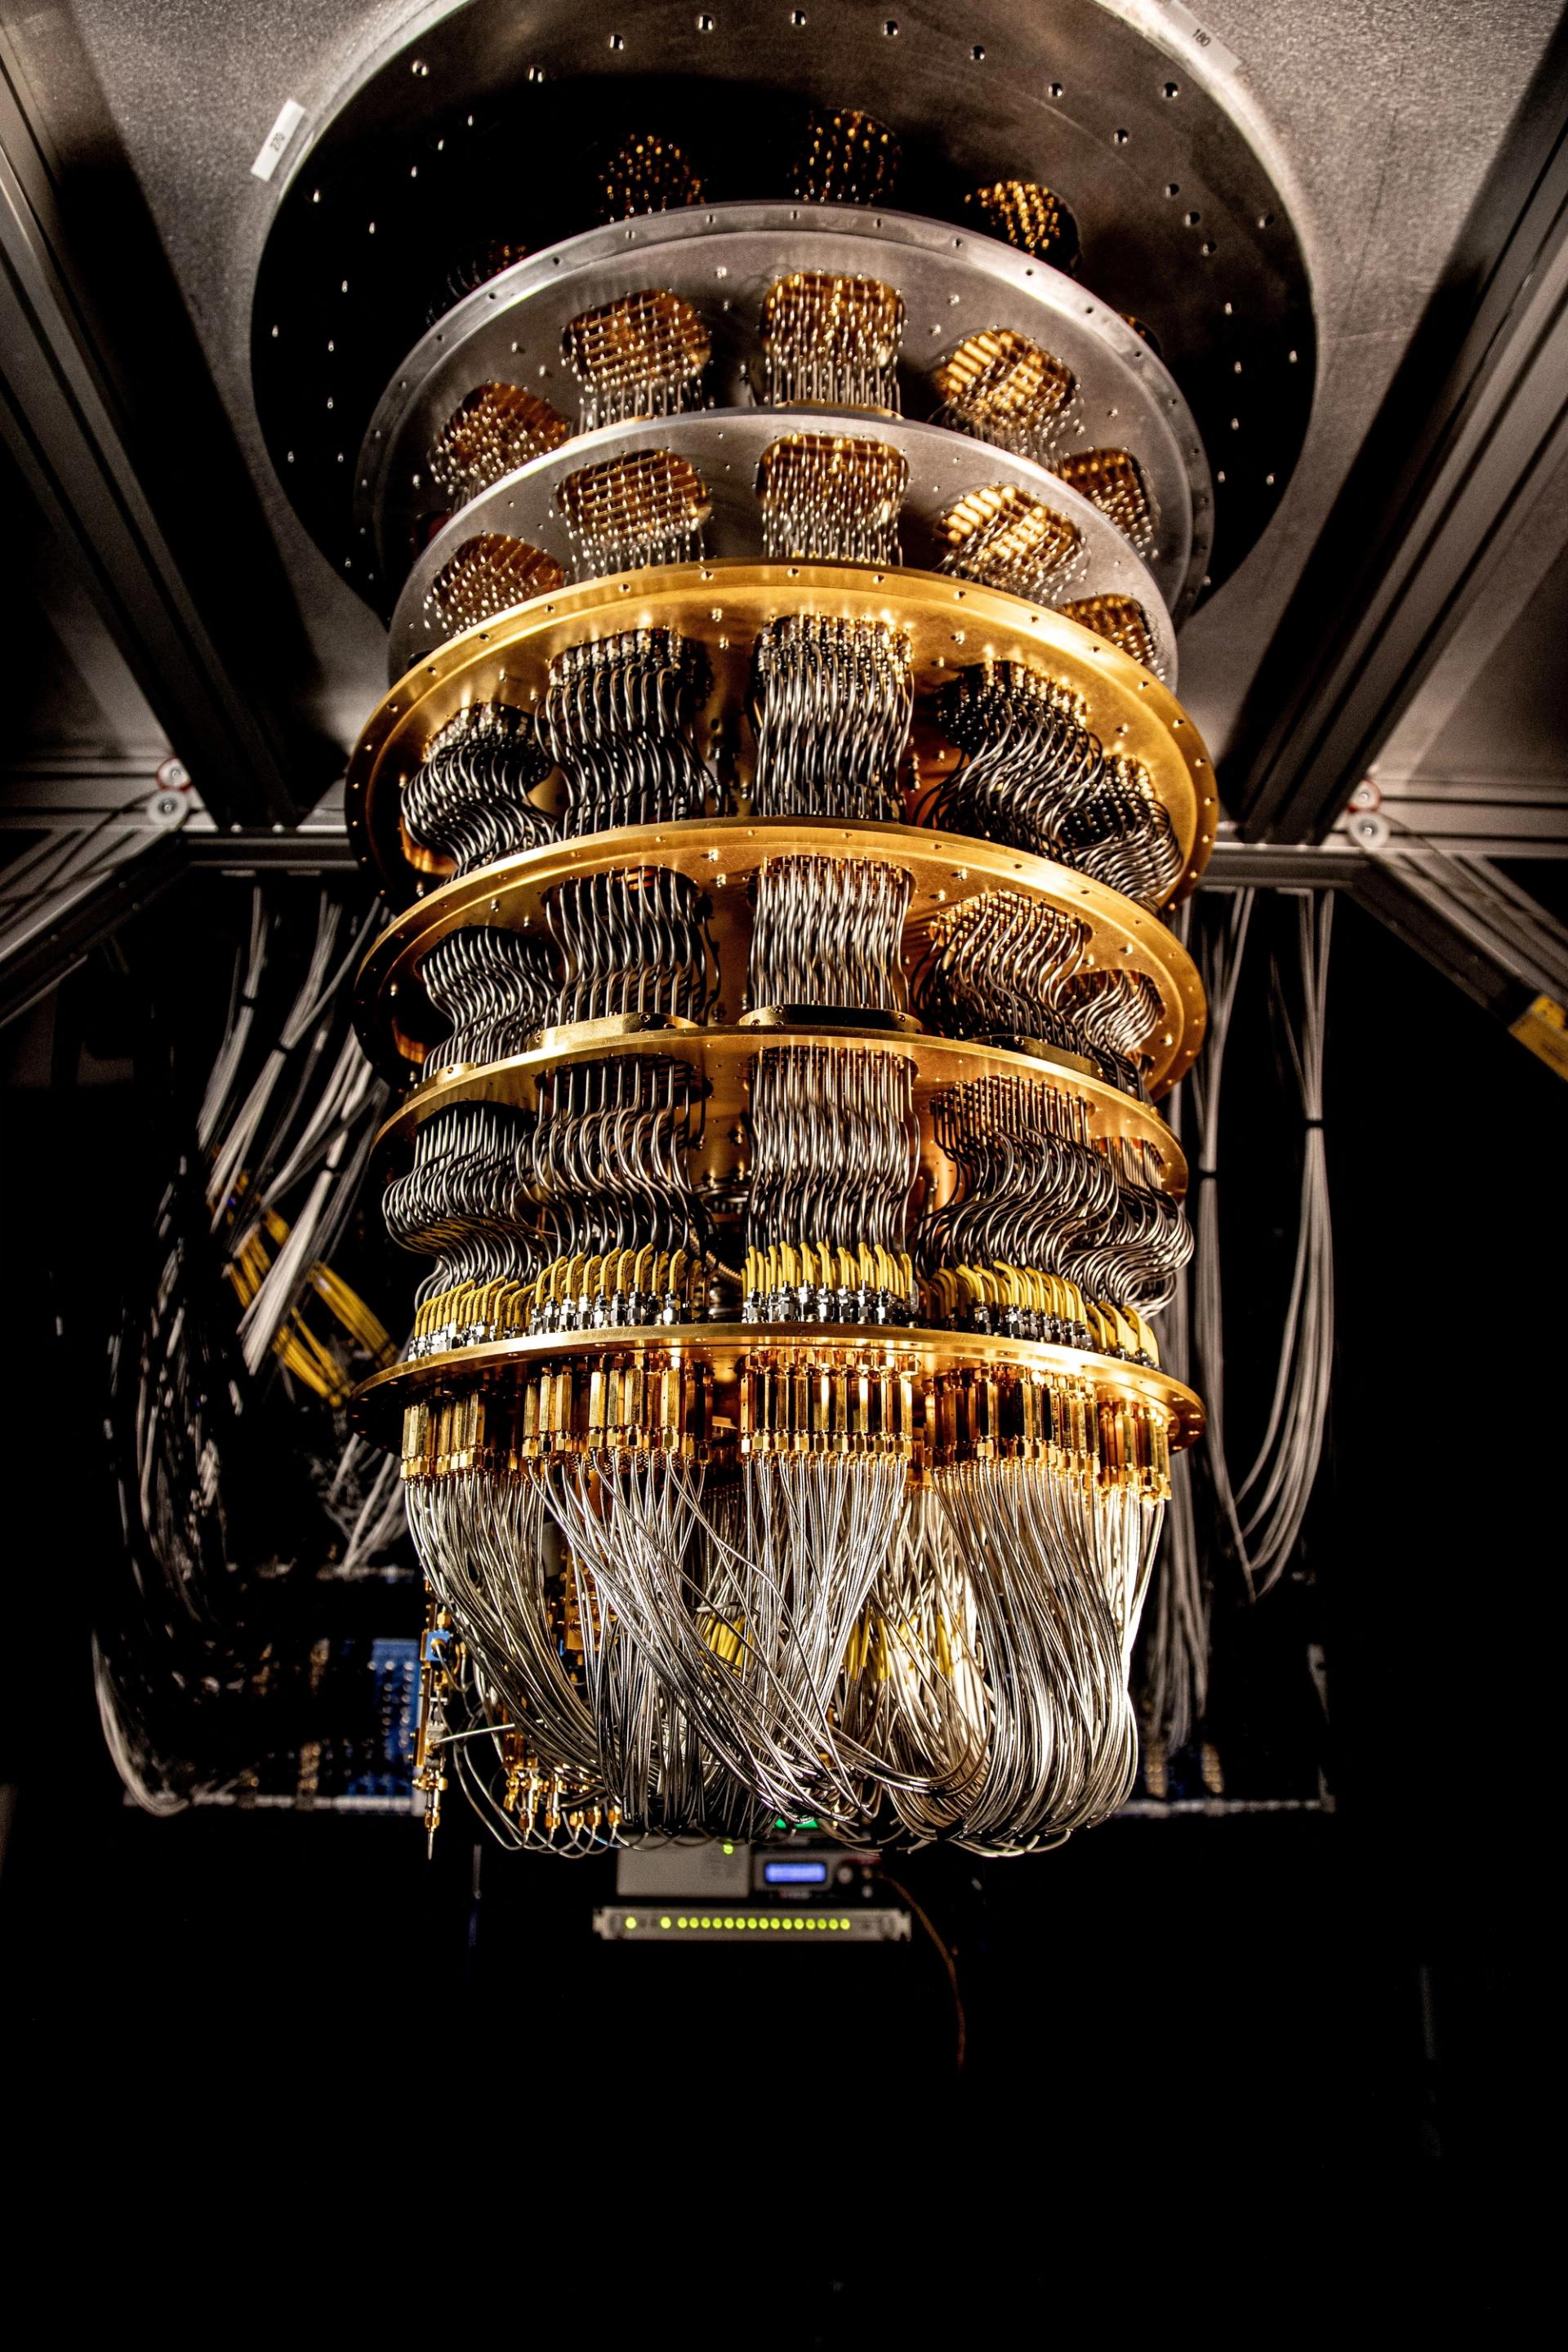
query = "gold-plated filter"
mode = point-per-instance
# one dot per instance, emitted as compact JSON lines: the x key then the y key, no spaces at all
{"x":1122,"y":620}
{"x":648,"y":507}
{"x":1025,"y":214}
{"x":488,"y":574}
{"x":647,"y":174}
{"x":642,"y":356}
{"x":1008,"y":539}
{"x":1113,"y":480}
{"x":1006,"y":390}
{"x":831,"y":342}
{"x":844,"y":158}
{"x":498,"y":428}
{"x":827,"y":497}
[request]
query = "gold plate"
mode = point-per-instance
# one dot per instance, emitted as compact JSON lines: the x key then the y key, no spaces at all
{"x":396,"y":1022}
{"x":950,"y":624}
{"x":724,"y":1057}
{"x":375,"y":1406}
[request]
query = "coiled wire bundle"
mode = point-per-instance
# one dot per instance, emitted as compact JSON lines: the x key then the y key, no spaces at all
{"x":624,"y":1234}
{"x":633,"y":944}
{"x":831,"y":498}
{"x":837,"y":1154}
{"x":617,"y":719}
{"x":643,"y":355}
{"x":496,"y":988}
{"x":468,"y":800}
{"x":828,"y":931}
{"x":831,"y":705}
{"x":1004,"y":389}
{"x":831,"y":342}
{"x":464,"y":1203}
{"x":1047,"y":1235}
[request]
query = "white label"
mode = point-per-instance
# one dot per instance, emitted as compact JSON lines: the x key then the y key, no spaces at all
{"x":291,"y":115}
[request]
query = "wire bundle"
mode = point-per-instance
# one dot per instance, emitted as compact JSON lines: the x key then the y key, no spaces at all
{"x":469,"y":800}
{"x":631,"y":943}
{"x":837,"y":1153}
{"x":241,"y":1315}
{"x":1004,"y":389}
{"x":618,"y":718}
{"x":831,"y":498}
{"x":829,"y":931}
{"x":496,"y":988}
{"x":831,"y":706}
{"x":498,"y":428}
{"x":831,"y":342}
{"x":642,"y":355}
{"x":623,"y":1234}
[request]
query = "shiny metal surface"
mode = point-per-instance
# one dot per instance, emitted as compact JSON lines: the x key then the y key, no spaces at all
{"x":950,"y":625}
{"x":722,"y":259}
{"x":377,"y":1404}
{"x":1148,"y":133}
{"x":724,"y":446}
{"x":722,"y":854}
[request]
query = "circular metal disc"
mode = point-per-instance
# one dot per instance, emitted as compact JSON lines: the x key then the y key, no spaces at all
{"x":725,"y":446}
{"x":491,"y":123}
{"x":378,"y":1404}
{"x":720,"y":856}
{"x":950,"y":625}
{"x":722,"y":259}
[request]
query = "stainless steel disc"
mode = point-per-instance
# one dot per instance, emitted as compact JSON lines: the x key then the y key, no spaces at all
{"x":488,"y":127}
{"x":722,"y":259}
{"x":725,"y":448}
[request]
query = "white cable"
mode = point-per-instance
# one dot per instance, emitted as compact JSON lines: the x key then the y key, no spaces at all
{"x":1287,"y":1464}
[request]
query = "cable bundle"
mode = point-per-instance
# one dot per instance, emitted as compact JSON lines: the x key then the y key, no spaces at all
{"x":796,"y":1630}
{"x":1006,"y":537}
{"x":1118,"y":831}
{"x":831,"y":706}
{"x":490,"y":574}
{"x":468,"y":800}
{"x":646,"y":175}
{"x":496,"y":988}
{"x":1113,"y":480}
{"x":643,"y":355}
{"x":498,"y":428}
{"x":1004,"y":389}
{"x":466,"y":1203}
{"x":1029,"y":215}
{"x":844,"y":158}
{"x":618,"y":718}
{"x":624,"y":1234}
{"x":837,"y":1154}
{"x":241,"y":1316}
{"x":1027,"y":753}
{"x":995,"y":966}
{"x":633,"y":942}
{"x":828,"y":931}
{"x":627,"y":513}
{"x":826,"y":498}
{"x":831,"y":342}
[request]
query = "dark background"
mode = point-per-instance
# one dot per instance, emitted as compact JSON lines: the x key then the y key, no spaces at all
{"x":1219,"y":2071}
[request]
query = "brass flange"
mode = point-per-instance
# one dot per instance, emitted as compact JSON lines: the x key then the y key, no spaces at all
{"x":721,"y":854}
{"x":724,"y":1350}
{"x":950,"y":625}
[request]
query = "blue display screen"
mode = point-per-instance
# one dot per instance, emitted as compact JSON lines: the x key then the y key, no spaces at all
{"x":794,"y":1874}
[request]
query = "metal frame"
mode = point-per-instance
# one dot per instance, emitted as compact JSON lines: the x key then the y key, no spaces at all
{"x":1468,"y":439}
{"x":60,"y":415}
